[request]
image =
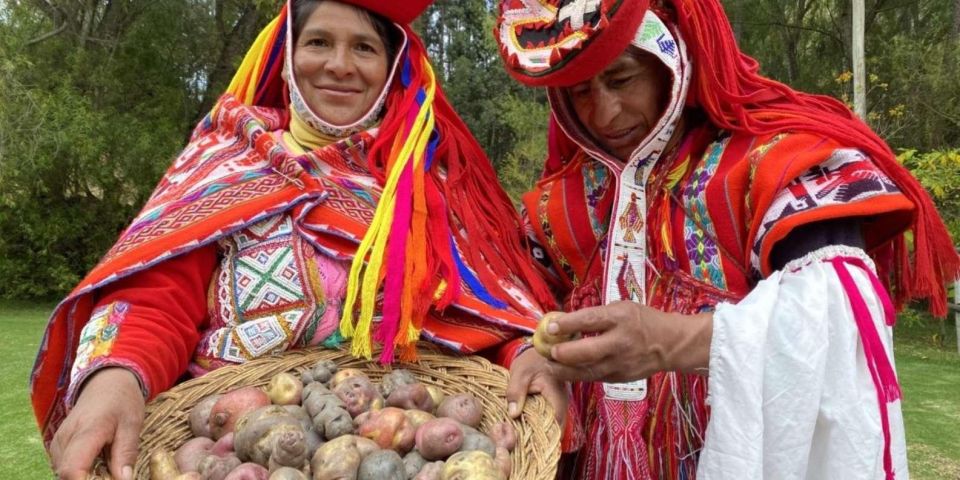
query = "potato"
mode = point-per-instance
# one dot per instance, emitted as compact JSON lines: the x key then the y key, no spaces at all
{"x":188,"y":456}
{"x":439,"y":438}
{"x":418,"y":417}
{"x":287,"y":473}
{"x":213,"y":467}
{"x":344,"y":374}
{"x":339,"y":459}
{"x":503,"y":461}
{"x":413,"y":462}
{"x":474,"y":439}
{"x":382,"y":465}
{"x":248,"y":471}
{"x":430,"y":471}
{"x":271,"y":436}
{"x":543,"y":341}
{"x":473,"y":465}
{"x":284,"y":389}
{"x":223,"y":446}
{"x":163,"y":466}
{"x":329,"y":415}
{"x":358,"y":394}
{"x":411,"y":396}
{"x":321,"y":371}
{"x":394,"y":379}
{"x":463,"y":408}
{"x":436,"y":394}
{"x":503,"y":435}
{"x":233,"y":405}
{"x":390,"y":429}
{"x":200,"y":416}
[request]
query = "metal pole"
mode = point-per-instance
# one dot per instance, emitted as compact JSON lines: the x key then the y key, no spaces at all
{"x":859,"y":64}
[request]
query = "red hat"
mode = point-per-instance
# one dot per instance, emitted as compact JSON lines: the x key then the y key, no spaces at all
{"x":399,"y":11}
{"x":563,"y":42}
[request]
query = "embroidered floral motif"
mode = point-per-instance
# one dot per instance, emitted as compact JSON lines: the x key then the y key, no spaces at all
{"x":698,"y":230}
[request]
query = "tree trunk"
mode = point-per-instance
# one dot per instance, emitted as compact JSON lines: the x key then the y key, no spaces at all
{"x":859,"y":65}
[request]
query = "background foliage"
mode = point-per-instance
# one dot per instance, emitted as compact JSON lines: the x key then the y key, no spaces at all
{"x":96,"y":98}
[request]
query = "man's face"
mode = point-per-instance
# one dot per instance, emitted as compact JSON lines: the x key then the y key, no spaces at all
{"x":623,"y":103}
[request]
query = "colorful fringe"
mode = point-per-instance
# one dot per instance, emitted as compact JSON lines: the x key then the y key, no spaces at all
{"x":256,"y":81}
{"x":395,"y":245}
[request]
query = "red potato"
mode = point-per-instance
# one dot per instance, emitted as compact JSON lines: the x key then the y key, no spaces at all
{"x":411,"y":396}
{"x":503,"y":435}
{"x":248,"y":471}
{"x":463,"y":408}
{"x":390,"y":429}
{"x":358,"y":394}
{"x":223,"y":446}
{"x":284,"y":389}
{"x":200,"y":416}
{"x":233,"y":405}
{"x":439,"y":438}
{"x":503,"y":462}
{"x":189,"y":455}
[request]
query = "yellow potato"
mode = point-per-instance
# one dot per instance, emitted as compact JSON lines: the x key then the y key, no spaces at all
{"x":543,"y":341}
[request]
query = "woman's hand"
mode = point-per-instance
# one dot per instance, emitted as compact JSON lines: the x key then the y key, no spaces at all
{"x":530,"y":374}
{"x":107,"y":418}
{"x":631,"y":342}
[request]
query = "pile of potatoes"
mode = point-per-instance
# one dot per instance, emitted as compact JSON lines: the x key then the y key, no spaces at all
{"x":332,"y":424}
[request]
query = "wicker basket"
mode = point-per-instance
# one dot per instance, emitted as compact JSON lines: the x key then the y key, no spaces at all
{"x":538,"y":435}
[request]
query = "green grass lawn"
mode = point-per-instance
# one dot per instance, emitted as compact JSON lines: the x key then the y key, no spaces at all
{"x":929,"y":373}
{"x":22,"y":456}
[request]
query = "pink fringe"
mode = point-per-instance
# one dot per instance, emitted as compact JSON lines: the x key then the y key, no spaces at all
{"x":884,"y":378}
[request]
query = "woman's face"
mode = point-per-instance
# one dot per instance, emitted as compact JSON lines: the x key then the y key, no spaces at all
{"x":623,"y":103}
{"x":340,"y":63}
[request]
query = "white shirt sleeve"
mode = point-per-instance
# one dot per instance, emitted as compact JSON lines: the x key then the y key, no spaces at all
{"x":790,"y":391}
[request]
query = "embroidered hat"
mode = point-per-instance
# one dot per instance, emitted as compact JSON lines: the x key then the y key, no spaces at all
{"x":399,"y":11}
{"x":562,"y":42}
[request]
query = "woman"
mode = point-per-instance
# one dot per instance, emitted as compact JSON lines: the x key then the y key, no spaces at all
{"x":719,"y":239}
{"x":332,"y":146}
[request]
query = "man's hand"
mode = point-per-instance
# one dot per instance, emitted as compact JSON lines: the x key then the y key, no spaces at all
{"x":626,"y":341}
{"x":530,"y":374}
{"x":106,"y":419}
